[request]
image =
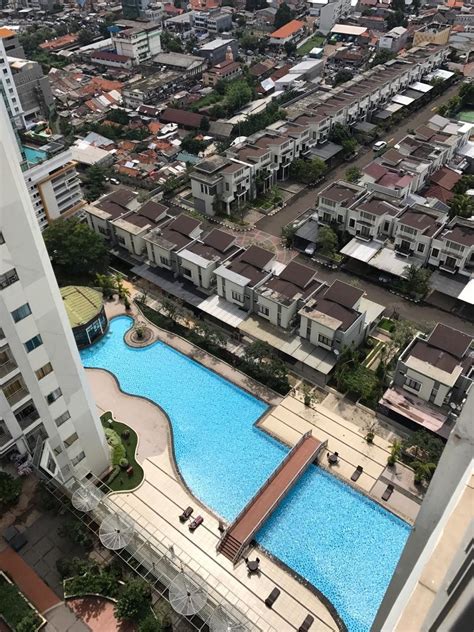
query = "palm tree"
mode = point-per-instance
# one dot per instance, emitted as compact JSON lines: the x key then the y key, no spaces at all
{"x":423,"y":471}
{"x":461,"y":206}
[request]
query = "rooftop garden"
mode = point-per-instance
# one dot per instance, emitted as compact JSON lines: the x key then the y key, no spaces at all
{"x":127,"y":473}
{"x":15,"y":610}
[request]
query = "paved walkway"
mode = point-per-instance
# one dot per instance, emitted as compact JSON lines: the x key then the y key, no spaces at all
{"x":30,"y":584}
{"x":291,"y":419}
{"x":162,"y":497}
{"x":98,"y":615}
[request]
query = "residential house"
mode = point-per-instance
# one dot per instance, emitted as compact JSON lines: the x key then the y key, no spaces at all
{"x":139,"y":43}
{"x":102,"y":212}
{"x":237,"y":279}
{"x":338,"y":317}
{"x":129,"y":230}
{"x":374,"y":217}
{"x":452,"y":249}
{"x":394,"y":40}
{"x":164,"y":243}
{"x":334,"y":201}
{"x":290,"y":32}
{"x":414,"y":230}
{"x":198,"y":262}
{"x":225,"y":71}
{"x":442,"y":183}
{"x":431,"y":381}
{"x":280,"y":297}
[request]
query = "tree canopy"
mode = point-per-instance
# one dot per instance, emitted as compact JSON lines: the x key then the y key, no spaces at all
{"x":75,"y":249}
{"x":307,"y":171}
{"x":94,"y":182}
{"x":353,"y":174}
{"x":327,"y":241}
{"x":283,"y":15}
{"x":416,"y":282}
{"x":342,"y":76}
{"x":461,"y":205}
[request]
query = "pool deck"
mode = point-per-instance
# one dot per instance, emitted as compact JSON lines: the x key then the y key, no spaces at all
{"x":162,"y":497}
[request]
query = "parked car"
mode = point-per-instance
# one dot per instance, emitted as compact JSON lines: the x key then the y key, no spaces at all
{"x":379,"y":145}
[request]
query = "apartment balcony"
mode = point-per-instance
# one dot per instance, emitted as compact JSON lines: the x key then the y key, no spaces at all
{"x":27,"y":415}
{"x":15,"y":391}
{"x":7,"y":367}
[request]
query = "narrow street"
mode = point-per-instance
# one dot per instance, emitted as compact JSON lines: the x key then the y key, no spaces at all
{"x":305,"y":200}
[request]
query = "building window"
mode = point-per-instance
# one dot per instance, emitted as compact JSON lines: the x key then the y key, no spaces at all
{"x":70,"y":440}
{"x":324,"y":340}
{"x":54,"y":395}
{"x":27,"y":415}
{"x":51,"y":465}
{"x":263,"y":310}
{"x":44,"y":371}
{"x":62,"y":418}
{"x":340,"y":219}
{"x":352,"y":222}
{"x":421,"y":247}
{"x":164,"y":261}
{"x":435,"y":252}
{"x":21,"y":312}
{"x":8,"y":278}
{"x":413,"y":384}
{"x":187,"y":272}
{"x":33,"y":343}
{"x":2,"y":238}
{"x":237,"y":297}
{"x":77,"y":459}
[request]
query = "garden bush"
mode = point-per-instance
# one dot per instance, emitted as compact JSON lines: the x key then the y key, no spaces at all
{"x":134,"y":600}
{"x":10,"y":489}
{"x":74,"y":566}
{"x":117,"y":448}
{"x":15,"y":610}
{"x":101,"y":582}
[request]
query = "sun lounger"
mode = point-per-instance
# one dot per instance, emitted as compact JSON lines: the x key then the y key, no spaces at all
{"x":195,"y":523}
{"x":388,"y":492}
{"x":186,"y":514}
{"x":357,"y":472}
{"x":272,"y":597}
{"x":307,"y":623}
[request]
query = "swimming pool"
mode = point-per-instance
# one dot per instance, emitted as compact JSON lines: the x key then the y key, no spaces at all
{"x":33,"y":155}
{"x":344,"y":544}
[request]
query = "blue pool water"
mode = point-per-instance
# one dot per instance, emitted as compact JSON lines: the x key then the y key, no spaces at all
{"x":33,"y":155}
{"x":344,"y":544}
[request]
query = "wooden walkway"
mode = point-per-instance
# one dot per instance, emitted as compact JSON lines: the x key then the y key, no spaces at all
{"x":259,"y":508}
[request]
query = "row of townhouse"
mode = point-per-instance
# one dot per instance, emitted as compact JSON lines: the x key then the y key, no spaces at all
{"x":316,"y":321}
{"x":224,"y":183}
{"x":245,"y":281}
{"x":408,"y":167}
{"x":390,"y":234}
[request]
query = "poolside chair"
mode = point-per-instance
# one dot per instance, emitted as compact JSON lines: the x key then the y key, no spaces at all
{"x":388,"y":492}
{"x":195,"y":523}
{"x":186,"y":514}
{"x":357,"y":472}
{"x":272,"y":597}
{"x":307,"y":623}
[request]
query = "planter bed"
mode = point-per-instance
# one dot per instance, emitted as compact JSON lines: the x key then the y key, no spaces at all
{"x":14,"y":607}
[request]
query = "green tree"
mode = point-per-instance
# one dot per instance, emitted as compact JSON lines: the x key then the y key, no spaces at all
{"x":170,"y":42}
{"x":349,"y":146}
{"x":238,"y":94}
{"x":396,"y":18}
{"x":307,"y":171}
{"x":107,"y":283}
{"x":353,"y":174}
{"x":192,"y":145}
{"x":75,"y":250}
{"x":290,"y":48}
{"x":464,"y":184}
{"x":10,"y":489}
{"x":424,"y":447}
{"x":205,"y":125}
{"x":403,"y":333}
{"x":416,"y":281}
{"x":118,"y":116}
{"x":466,"y":94}
{"x":134,"y":600}
{"x":327,"y":241}
{"x":283,"y":15}
{"x":423,"y":471}
{"x":342,"y":76}
{"x":461,"y":206}
{"x":360,"y":381}
{"x":288,"y":235}
{"x":150,"y":624}
{"x":381,"y":57}
{"x":261,"y":362}
{"x":85,"y":37}
{"x":95,"y":182}
{"x":28,"y":623}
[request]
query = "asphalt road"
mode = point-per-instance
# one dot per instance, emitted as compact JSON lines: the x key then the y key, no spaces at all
{"x":306,"y":200}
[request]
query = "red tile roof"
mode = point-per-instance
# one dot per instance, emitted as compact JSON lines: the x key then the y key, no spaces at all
{"x":287,"y":29}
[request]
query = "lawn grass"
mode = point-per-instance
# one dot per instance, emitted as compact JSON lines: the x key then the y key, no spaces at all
{"x":121,"y":480}
{"x":466,"y":115}
{"x":387,"y":325}
{"x":13,"y":606}
{"x":316,"y":40}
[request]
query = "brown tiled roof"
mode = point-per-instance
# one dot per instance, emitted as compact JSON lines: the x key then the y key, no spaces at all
{"x":423,"y":222}
{"x":114,"y":210}
{"x":184,"y":224}
{"x":181,"y":117}
{"x":136,"y":219}
{"x":120,"y":196}
{"x":376,"y":206}
{"x":346,"y":315}
{"x":153,"y":210}
{"x":451,"y":340}
{"x":257,"y":257}
{"x":460,"y":234}
{"x":108,"y":56}
{"x":297,"y":274}
{"x":343,"y":294}
{"x":337,"y":192}
{"x":219,"y":240}
{"x":445,"y":178}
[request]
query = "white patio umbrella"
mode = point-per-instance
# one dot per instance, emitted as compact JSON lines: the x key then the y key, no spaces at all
{"x":116,"y":531}
{"x":186,"y":595}
{"x":222,"y":621}
{"x":86,"y":497}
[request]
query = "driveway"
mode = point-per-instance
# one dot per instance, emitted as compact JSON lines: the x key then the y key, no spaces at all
{"x":306,"y":199}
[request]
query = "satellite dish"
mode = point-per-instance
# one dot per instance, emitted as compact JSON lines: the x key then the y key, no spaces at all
{"x":116,"y":531}
{"x":223,"y":621}
{"x":86,"y":498}
{"x":186,"y":595}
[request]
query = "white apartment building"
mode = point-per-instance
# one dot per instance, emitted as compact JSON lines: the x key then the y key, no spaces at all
{"x":46,"y":406}
{"x":329,"y":12}
{"x":138,"y":43}
{"x":8,"y":90}
{"x":54,"y":187}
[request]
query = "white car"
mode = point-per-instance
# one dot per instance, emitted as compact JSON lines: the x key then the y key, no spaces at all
{"x":379,"y":145}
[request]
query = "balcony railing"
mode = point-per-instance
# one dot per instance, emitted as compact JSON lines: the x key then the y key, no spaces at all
{"x":7,"y":367}
{"x":17,"y":396}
